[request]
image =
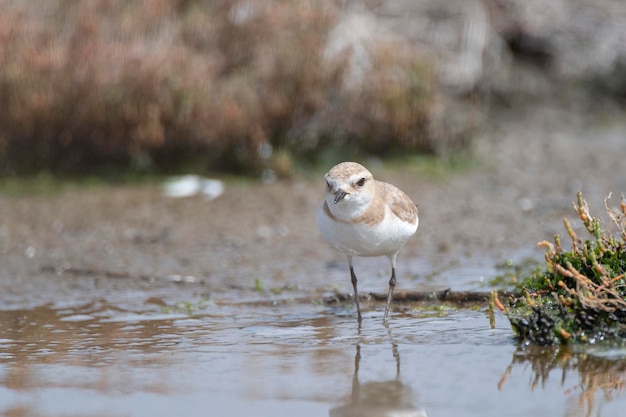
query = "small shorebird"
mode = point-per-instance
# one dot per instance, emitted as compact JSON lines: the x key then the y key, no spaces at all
{"x":364,"y":217}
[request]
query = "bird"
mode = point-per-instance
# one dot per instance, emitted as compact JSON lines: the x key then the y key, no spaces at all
{"x":364,"y":217}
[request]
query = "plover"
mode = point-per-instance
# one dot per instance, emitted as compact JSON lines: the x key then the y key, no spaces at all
{"x":361,"y":216}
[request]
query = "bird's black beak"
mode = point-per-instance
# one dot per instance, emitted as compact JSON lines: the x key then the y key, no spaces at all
{"x":339,"y":195}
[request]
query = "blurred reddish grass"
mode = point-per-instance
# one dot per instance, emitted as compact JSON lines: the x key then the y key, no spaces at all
{"x":116,"y":81}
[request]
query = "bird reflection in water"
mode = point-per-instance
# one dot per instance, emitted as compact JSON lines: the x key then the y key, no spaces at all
{"x":379,"y":399}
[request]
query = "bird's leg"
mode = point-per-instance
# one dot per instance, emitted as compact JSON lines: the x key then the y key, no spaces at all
{"x":392,"y":283}
{"x":392,"y":286}
{"x":356,"y":293}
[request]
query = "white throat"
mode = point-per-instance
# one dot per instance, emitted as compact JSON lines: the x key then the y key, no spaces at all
{"x":350,"y":207}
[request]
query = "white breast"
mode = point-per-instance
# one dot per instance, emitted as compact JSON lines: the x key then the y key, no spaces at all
{"x":384,"y":238}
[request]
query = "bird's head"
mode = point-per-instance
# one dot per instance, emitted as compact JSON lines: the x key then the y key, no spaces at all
{"x":349,"y":186}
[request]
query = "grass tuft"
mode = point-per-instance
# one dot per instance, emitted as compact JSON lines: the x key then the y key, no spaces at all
{"x":580,"y":297}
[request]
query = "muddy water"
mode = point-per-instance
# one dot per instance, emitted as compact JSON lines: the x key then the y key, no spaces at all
{"x":286,"y":359}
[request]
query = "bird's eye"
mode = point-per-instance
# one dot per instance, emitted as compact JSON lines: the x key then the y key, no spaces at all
{"x":361,"y":182}
{"x":328,"y":185}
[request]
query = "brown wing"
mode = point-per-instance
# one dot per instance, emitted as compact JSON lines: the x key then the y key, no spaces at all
{"x":400,"y":204}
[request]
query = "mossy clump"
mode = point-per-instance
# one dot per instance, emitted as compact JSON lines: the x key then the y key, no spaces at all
{"x":581,"y":295}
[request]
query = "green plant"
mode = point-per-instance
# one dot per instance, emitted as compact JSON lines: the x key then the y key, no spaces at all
{"x":581,"y":295}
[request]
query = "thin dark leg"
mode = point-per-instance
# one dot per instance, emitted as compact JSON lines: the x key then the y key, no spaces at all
{"x":392,"y":286}
{"x":356,"y":294}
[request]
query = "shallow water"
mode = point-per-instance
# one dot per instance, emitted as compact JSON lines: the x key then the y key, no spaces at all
{"x":293,"y":358}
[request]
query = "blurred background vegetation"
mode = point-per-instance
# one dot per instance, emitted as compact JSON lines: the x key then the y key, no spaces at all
{"x":245,"y":85}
